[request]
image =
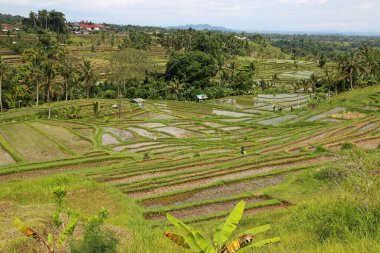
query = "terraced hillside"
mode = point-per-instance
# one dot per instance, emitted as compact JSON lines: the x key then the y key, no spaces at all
{"x":184,"y":157}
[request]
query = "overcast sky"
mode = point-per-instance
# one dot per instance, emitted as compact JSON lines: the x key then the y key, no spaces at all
{"x":250,"y":15}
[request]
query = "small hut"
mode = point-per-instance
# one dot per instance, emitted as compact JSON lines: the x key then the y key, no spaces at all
{"x":138,"y":101}
{"x":201,"y":98}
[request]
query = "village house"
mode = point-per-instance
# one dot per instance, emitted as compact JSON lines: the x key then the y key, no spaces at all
{"x":86,"y":28}
{"x":6,"y":28}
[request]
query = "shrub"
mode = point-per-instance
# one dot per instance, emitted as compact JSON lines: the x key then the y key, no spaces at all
{"x":95,"y":238}
{"x":337,"y":219}
{"x":321,"y":149}
{"x":347,"y":146}
{"x":146,"y":156}
{"x":331,"y":174}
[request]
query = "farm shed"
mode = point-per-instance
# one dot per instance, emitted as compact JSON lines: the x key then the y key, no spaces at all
{"x":137,"y":100}
{"x":201,"y":98}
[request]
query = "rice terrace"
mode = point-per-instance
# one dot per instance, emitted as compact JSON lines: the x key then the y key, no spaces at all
{"x":113,"y":136}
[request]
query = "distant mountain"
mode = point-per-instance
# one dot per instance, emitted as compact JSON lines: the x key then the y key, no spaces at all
{"x":203,"y":27}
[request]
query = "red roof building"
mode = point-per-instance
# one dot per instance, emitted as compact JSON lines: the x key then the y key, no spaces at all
{"x":93,"y":27}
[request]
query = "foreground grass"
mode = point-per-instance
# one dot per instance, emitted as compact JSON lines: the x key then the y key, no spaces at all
{"x":325,"y":218}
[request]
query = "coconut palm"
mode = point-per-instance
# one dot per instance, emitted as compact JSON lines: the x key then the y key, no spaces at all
{"x":297,"y":86}
{"x":330,"y":80}
{"x":313,"y":81}
{"x":350,"y":66}
{"x":49,"y":72}
{"x":3,"y":71}
{"x":35,"y":59}
{"x":87,"y":76}
{"x":66,"y":70}
{"x":175,"y":87}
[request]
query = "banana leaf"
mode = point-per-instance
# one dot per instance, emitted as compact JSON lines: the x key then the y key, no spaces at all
{"x":224,"y":231}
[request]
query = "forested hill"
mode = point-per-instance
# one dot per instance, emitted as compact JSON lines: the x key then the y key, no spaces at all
{"x":203,"y":27}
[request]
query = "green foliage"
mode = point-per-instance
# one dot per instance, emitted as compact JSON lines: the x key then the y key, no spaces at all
{"x":59,"y":195}
{"x":331,"y":173}
{"x":321,"y":149}
{"x":348,"y":146}
{"x":137,"y":40}
{"x":337,"y":219}
{"x":313,"y":102}
{"x":48,"y":20}
{"x":224,"y":231}
{"x":95,"y":238}
{"x":96,"y":108}
{"x":193,"y":239}
{"x":74,"y":112}
{"x":67,"y":230}
{"x":194,"y":68}
{"x":146,"y":156}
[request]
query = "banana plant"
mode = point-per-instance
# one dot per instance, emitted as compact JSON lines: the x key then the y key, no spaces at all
{"x":48,"y":243}
{"x":66,"y":230}
{"x":198,"y":243}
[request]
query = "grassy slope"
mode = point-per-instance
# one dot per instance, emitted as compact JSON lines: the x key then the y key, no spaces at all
{"x":32,"y":200}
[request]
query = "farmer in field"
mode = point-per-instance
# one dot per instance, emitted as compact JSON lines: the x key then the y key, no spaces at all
{"x":242,"y":150}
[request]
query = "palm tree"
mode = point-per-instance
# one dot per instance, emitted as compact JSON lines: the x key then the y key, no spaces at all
{"x":3,"y":71}
{"x":32,"y":16}
{"x":330,"y":80}
{"x":49,"y":72}
{"x":87,"y":76}
{"x":305,"y":85}
{"x":297,"y":86}
{"x":350,"y":65}
{"x":35,"y":58}
{"x":66,"y":70}
{"x":175,"y":87}
{"x":314,"y":81}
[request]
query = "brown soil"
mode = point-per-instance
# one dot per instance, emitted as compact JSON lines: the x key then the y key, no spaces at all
{"x":330,"y":136}
{"x":168,"y":149}
{"x":348,"y":115}
{"x":233,"y":175}
{"x":217,"y":150}
{"x":124,"y":177}
{"x":251,"y":211}
{"x":201,"y":210}
{"x":369,"y":143}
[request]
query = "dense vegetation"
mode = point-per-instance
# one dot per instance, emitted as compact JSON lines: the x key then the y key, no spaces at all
{"x":49,"y":70}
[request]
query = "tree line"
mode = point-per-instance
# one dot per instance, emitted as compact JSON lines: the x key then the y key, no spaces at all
{"x":198,"y":63}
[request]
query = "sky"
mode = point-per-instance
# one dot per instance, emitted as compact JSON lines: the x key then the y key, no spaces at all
{"x":359,"y":16}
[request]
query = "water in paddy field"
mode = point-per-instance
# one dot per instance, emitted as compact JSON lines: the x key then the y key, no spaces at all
{"x":256,"y":104}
